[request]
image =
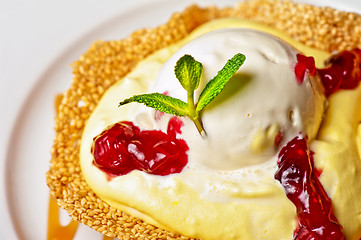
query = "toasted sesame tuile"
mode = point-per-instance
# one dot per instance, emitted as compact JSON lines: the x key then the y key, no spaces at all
{"x":106,"y":62}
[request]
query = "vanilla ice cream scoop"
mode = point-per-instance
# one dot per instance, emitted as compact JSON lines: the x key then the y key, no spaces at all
{"x":260,"y":106}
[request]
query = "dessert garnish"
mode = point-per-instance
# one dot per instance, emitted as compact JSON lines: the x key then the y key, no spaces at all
{"x":296,"y":173}
{"x":304,"y":64}
{"x":188,"y":72}
{"x":342,"y":71}
{"x":124,"y":147}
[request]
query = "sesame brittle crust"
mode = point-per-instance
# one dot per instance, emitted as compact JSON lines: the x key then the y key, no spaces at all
{"x":107,"y":62}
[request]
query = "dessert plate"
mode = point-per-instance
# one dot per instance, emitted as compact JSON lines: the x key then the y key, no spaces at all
{"x":28,"y":152}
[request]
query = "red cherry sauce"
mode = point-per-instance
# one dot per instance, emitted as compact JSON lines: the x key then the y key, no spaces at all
{"x":296,"y":170}
{"x":342,"y":71}
{"x":316,"y":219}
{"x":304,"y":64}
{"x":124,"y":147}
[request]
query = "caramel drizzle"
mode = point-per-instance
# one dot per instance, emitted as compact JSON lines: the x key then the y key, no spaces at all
{"x":55,"y":230}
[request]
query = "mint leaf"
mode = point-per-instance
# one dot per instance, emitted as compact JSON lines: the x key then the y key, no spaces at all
{"x":160,"y":102}
{"x":188,"y":72}
{"x":216,"y":85}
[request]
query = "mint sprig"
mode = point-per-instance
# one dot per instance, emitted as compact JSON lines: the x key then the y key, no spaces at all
{"x":188,"y":71}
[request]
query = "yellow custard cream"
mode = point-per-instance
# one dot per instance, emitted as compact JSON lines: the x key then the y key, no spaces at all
{"x":227,"y":190}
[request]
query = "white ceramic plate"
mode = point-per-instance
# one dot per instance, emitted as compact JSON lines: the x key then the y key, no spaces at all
{"x":27,"y":154}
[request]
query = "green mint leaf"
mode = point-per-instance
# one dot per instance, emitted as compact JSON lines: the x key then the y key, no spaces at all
{"x":216,"y":85}
{"x":160,"y":102}
{"x":188,"y":72}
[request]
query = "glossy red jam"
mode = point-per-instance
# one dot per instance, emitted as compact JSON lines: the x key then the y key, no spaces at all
{"x":296,"y":173}
{"x":123,"y":148}
{"x":342,"y":71}
{"x":304,"y":64}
